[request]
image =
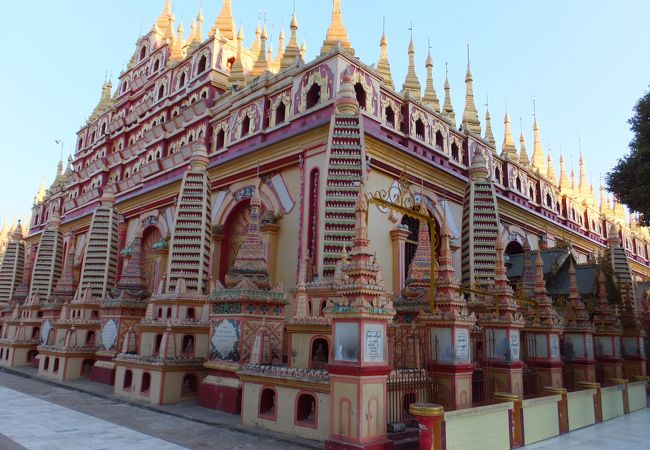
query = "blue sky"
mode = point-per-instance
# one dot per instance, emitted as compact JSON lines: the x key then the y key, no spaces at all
{"x":584,"y":61}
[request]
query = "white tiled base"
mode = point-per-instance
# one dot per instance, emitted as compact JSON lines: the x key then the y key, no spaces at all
{"x":37,"y":424}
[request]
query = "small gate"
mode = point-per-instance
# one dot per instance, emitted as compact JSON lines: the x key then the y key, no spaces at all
{"x":406,"y":386}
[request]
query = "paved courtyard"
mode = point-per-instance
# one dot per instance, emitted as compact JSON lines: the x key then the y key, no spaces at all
{"x":36,"y":415}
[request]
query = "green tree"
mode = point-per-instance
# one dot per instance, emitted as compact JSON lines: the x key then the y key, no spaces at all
{"x":629,"y":180}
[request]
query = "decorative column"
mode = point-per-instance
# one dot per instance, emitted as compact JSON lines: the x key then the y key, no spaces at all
{"x":270,"y":239}
{"x":502,"y":365}
{"x":578,"y":337}
{"x":359,"y":369}
{"x":430,"y":417}
{"x":398,"y":238}
{"x":217,"y":246}
{"x":607,"y":337}
{"x":449,"y":327}
{"x":543,"y":329}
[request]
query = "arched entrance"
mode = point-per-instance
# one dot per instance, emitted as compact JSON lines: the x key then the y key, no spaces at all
{"x":235,"y":230}
{"x":411,"y":245}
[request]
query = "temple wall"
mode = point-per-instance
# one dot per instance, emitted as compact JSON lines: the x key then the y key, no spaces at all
{"x":636,"y":392}
{"x":612,"y":401}
{"x":581,"y":409}
{"x":285,"y":420}
{"x":485,"y":428}
{"x":541,"y":418}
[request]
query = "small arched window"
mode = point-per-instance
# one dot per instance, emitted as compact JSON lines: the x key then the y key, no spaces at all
{"x":156,"y":65}
{"x":419,"y":129}
{"x":55,"y":369}
{"x":188,"y":344}
{"x":390,"y":116}
{"x":497,"y":175}
{"x":549,"y":200}
{"x":267,"y":403}
{"x":157,"y":343}
{"x":518,"y":184}
{"x":440,"y":142}
{"x":280,"y":113}
{"x":161,"y":91}
{"x":189,"y":384}
{"x":146,"y":382}
{"x":245,"y":126}
{"x":306,"y":409}
{"x":454,"y":152}
{"x":90,"y":339}
{"x":203,"y":62}
{"x":319,"y":353}
{"x":128,"y":379}
{"x":46,"y":365}
{"x":361,"y":95}
{"x":221,"y":139}
{"x":143,"y":53}
{"x":313,"y":95}
{"x":181,"y":82}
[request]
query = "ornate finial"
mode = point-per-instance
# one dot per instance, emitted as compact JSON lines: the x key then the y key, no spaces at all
{"x":293,"y":50}
{"x":508,"y":149}
{"x":412,"y":83}
{"x":430,"y":98}
{"x":447,"y":108}
{"x":336,"y":32}
{"x":471,"y":122}
{"x":383,"y":65}
{"x":489,"y":136}
{"x":225,"y":23}
{"x":523,"y":155}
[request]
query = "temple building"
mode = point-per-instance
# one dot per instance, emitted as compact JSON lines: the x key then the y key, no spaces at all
{"x":300,"y":243}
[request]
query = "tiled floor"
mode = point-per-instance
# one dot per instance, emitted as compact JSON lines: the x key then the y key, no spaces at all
{"x":37,"y":424}
{"x":35,"y":415}
{"x":631,"y":431}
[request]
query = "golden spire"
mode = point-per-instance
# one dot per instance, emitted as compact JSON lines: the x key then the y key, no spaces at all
{"x":257,"y":42}
{"x":605,"y":205}
{"x":40,"y":195}
{"x":489,"y":137}
{"x":164,"y":20}
{"x":336,"y":32}
{"x":269,"y":58}
{"x":225,"y":22}
{"x":583,"y":185}
{"x":383,"y":66}
{"x":177,"y":52}
{"x":293,"y":50}
{"x":573,"y":180}
{"x":538,"y":162}
{"x":430,"y":98}
{"x":303,"y":50}
{"x":261,"y":65}
{"x":237,"y":76}
{"x":550,"y":170}
{"x":412,"y":84}
{"x":564,"y":180}
{"x":471,"y":122}
{"x":508,"y":148}
{"x":105,"y":101}
{"x":447,"y":108}
{"x":198,"y":35}
{"x":277,"y":62}
{"x":523,"y":156}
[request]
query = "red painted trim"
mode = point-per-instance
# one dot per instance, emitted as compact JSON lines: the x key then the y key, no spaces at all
{"x":356,"y":371}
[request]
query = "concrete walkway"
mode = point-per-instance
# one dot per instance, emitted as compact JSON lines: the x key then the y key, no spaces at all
{"x":37,"y":414}
{"x":631,"y":431}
